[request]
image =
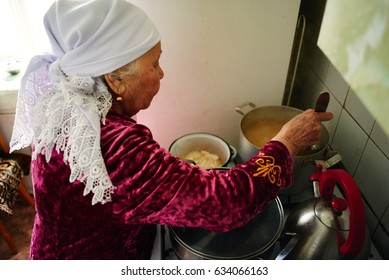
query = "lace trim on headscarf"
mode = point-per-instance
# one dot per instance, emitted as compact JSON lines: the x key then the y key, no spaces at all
{"x":67,"y":117}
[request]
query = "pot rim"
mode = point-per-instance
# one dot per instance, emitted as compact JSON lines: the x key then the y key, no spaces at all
{"x":273,"y":107}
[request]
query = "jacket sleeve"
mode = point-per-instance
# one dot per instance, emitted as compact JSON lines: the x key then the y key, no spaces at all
{"x":155,"y":187}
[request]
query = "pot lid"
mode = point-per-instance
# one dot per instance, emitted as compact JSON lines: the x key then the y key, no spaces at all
{"x":333,"y":212}
{"x":241,"y":243}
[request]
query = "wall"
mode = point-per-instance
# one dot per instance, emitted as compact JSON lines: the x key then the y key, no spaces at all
{"x":354,"y":132}
{"x":216,"y":55}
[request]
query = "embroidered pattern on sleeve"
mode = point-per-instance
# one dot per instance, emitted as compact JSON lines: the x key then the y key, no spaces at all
{"x":268,"y":168}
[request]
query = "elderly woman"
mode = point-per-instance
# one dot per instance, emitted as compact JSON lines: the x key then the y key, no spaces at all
{"x":101,"y":183}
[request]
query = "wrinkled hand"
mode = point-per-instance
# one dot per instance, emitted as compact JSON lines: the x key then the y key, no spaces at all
{"x":302,"y":131}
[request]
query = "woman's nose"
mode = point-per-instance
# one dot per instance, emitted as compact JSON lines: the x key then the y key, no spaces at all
{"x":161,"y":73}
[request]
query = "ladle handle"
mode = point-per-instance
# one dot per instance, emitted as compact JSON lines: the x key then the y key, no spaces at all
{"x":357,"y":230}
{"x":322,"y":102}
{"x":321,"y":106}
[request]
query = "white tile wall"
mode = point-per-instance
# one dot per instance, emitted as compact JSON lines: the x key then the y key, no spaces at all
{"x":381,"y":242}
{"x":336,"y":84}
{"x":350,"y":140}
{"x":312,"y":87}
{"x":385,"y":218}
{"x":319,"y":63}
{"x":371,"y":220}
{"x":361,"y":142}
{"x":372,"y":178}
{"x":381,"y":139}
{"x":363,"y":146}
{"x":356,"y":109}
{"x":336,"y":108}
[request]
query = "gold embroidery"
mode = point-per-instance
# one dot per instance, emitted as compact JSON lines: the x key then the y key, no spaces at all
{"x":268,"y":169}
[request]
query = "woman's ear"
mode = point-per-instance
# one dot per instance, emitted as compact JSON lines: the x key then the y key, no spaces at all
{"x":115,"y":83}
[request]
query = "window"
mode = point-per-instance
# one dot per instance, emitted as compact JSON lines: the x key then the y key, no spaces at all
{"x":21,"y":28}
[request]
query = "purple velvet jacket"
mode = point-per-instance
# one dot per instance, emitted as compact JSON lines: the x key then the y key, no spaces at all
{"x":153,"y":187}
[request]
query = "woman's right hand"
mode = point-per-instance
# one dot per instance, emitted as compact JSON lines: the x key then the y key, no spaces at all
{"x":302,"y":131}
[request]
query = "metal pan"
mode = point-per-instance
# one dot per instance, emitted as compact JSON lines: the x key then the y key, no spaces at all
{"x":256,"y":240}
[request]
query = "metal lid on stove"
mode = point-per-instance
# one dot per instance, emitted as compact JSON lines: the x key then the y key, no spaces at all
{"x":247,"y":242}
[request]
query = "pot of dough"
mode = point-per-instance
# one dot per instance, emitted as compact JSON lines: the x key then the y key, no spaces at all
{"x":203,"y":149}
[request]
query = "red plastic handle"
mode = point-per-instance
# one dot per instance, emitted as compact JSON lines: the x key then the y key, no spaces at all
{"x":357,"y":231}
{"x":315,"y":176}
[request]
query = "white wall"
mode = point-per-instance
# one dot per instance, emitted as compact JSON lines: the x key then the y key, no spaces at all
{"x":216,"y":55}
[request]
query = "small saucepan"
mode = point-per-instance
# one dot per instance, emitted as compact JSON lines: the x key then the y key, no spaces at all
{"x":208,"y":144}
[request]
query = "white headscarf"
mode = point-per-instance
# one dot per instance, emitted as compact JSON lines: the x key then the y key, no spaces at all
{"x":62,"y":99}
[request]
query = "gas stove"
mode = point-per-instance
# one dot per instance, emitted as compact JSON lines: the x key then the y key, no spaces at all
{"x":163,"y":249}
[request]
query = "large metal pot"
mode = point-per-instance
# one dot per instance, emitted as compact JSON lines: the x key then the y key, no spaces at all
{"x":256,"y":240}
{"x":280,"y":114}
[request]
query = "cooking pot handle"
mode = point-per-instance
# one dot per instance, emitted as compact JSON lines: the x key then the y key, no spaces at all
{"x":239,"y":108}
{"x":234,"y":153}
{"x":357,"y":230}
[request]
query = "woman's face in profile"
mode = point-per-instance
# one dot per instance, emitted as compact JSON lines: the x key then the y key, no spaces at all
{"x":139,"y":90}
